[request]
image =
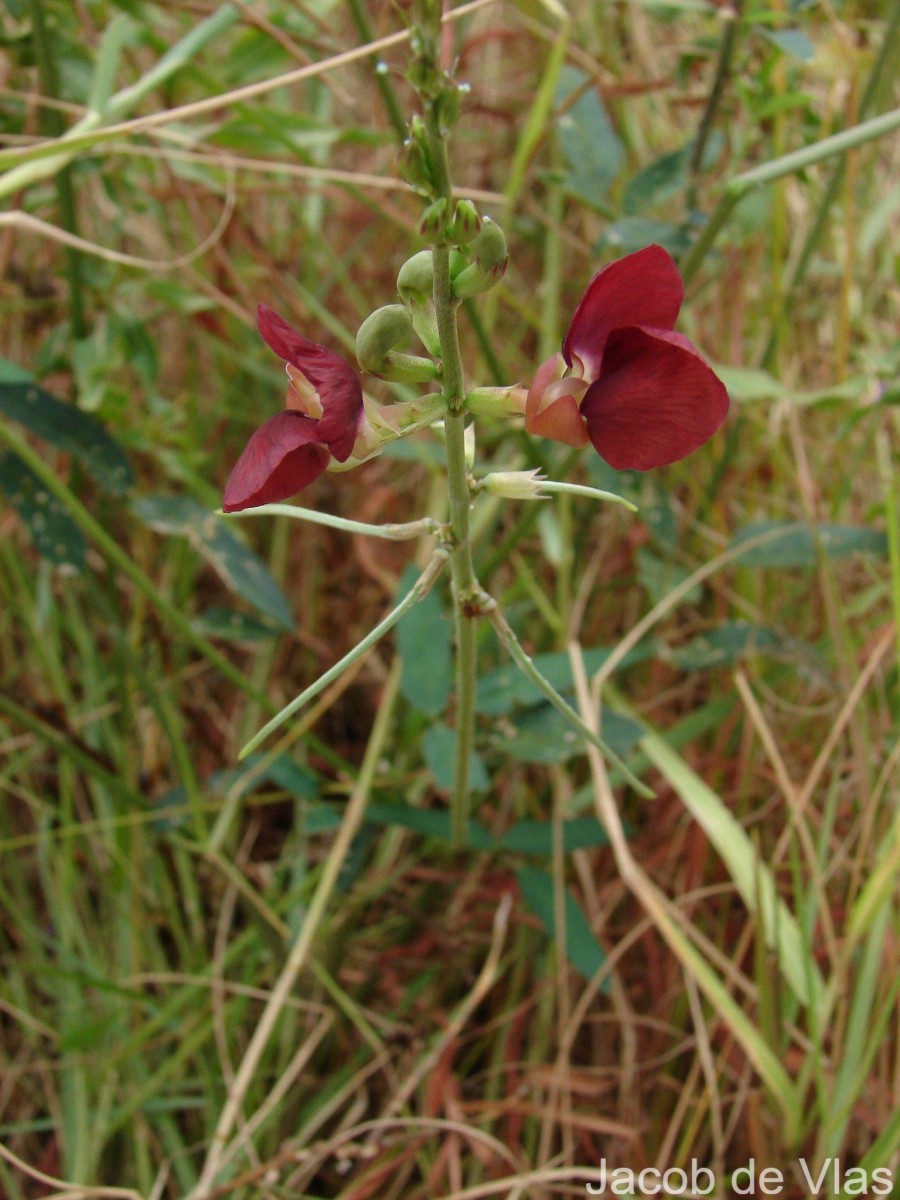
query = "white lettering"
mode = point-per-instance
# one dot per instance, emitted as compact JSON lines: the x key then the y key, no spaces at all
{"x":601,"y":1186}
{"x":737,"y":1180}
{"x":882,"y":1181}
{"x":814,"y":1184}
{"x":696,"y":1172}
{"x":770,"y":1181}
{"x":682,"y":1181}
{"x":643,"y":1187}
{"x":622,"y":1182}
{"x":859,"y":1184}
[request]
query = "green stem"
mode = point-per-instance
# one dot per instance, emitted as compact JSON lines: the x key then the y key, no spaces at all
{"x":412,"y":597}
{"x":65,"y":194}
{"x":465,"y":589}
{"x":115,"y":555}
{"x":732,"y":15}
{"x":787,"y":164}
{"x":382,"y":80}
{"x":299,"y":955}
{"x":465,"y":584}
{"x":582,"y":489}
{"x":401,"y":532}
{"x":566,"y":711}
{"x":815,"y":231}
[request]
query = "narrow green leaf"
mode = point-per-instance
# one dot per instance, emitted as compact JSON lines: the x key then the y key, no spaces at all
{"x":439,"y":751}
{"x":751,"y":876}
{"x":665,"y":177}
{"x":534,"y":128}
{"x":173,"y":60}
{"x":55,"y":535}
{"x":232,"y":625}
{"x":109,"y":54}
{"x":790,"y":41}
{"x":748,"y":383}
{"x":659,"y":576}
{"x":428,"y":822}
{"x":591,"y":147}
{"x":542,"y":735}
{"x":501,"y":691}
{"x":64,"y":426}
{"x":583,"y":950}
{"x":243,"y":571}
{"x":424,"y":637}
{"x":536,"y":837}
{"x":734,"y":640}
{"x":800,"y":545}
{"x":634,"y":233}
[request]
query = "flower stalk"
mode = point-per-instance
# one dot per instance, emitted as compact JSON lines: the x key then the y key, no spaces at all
{"x":417,"y":592}
{"x":462,"y":569}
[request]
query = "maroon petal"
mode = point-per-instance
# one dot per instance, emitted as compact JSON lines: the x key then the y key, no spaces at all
{"x":655,"y":401}
{"x":335,"y":380}
{"x":552,"y":405}
{"x":282,"y":456}
{"x":644,"y":288}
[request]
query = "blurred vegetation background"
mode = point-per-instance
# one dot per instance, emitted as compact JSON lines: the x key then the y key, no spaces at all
{"x":167,"y":166}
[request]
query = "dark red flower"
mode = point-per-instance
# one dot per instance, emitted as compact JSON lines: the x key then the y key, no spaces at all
{"x":324,"y":417}
{"x":642,"y":394}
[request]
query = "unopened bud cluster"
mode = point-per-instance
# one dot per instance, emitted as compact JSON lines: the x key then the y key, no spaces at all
{"x":473,"y":244}
{"x":478,"y":258}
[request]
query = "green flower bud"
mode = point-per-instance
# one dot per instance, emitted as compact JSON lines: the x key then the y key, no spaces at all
{"x":491,"y":257}
{"x":415,"y":159}
{"x":466,"y":223}
{"x":381,"y":331}
{"x":515,"y":485}
{"x":490,"y":248}
{"x":458,"y":262}
{"x":433,"y":224}
{"x":415,"y":283}
{"x":447,"y":106}
{"x":469,"y":446}
{"x":497,"y":401}
{"x":416,"y":278}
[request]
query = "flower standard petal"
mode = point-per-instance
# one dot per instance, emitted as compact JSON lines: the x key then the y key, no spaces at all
{"x":656,"y":400}
{"x":335,"y":381}
{"x":644,"y":288}
{"x":283,"y":456}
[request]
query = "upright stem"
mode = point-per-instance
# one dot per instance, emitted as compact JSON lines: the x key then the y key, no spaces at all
{"x":65,"y":195}
{"x":465,"y":583}
{"x":731,"y":13}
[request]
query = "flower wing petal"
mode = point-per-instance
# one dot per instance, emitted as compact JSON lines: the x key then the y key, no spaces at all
{"x":335,"y":380}
{"x":551,"y":409}
{"x":644,"y":288}
{"x":561,"y":421}
{"x":655,"y":402}
{"x":283,"y":456}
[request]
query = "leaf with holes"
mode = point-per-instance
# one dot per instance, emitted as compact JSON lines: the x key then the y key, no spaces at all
{"x":64,"y":426}
{"x":55,"y":535}
{"x":243,"y":571}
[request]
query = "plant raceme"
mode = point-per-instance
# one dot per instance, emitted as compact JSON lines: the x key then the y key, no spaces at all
{"x":624,"y":381}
